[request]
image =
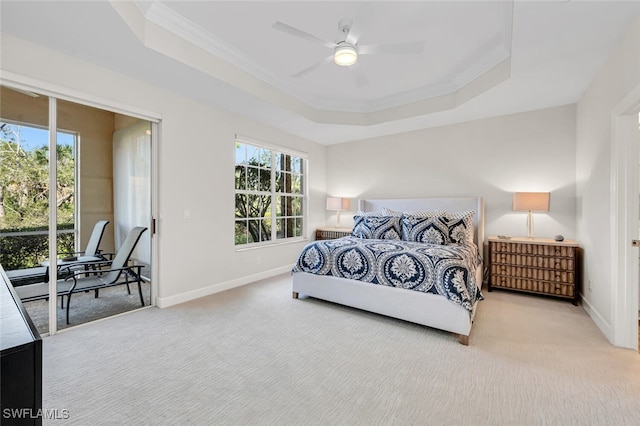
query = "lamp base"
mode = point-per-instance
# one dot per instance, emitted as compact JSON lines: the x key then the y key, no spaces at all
{"x":530,"y":225}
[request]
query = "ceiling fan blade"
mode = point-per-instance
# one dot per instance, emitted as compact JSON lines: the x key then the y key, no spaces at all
{"x":361,"y":21}
{"x":299,"y":33}
{"x":359,"y":75}
{"x":354,"y":34}
{"x":409,"y":48}
{"x":313,"y":67}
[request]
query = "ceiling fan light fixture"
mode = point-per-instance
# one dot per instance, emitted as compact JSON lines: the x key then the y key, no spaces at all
{"x":345,"y":55}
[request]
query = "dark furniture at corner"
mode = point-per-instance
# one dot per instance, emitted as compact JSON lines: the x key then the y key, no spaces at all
{"x":20,"y":361}
{"x":535,"y":265}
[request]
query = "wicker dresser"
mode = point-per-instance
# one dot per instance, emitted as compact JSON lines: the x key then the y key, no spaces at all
{"x":535,"y":265}
{"x":331,"y":233}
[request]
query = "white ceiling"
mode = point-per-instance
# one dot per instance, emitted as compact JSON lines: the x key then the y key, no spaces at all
{"x":480,"y":59}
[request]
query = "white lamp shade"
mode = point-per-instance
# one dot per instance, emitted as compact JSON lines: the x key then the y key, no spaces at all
{"x":531,"y":201}
{"x":337,"y":204}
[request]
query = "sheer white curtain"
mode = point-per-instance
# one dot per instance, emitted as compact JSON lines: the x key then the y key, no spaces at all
{"x":132,"y":186}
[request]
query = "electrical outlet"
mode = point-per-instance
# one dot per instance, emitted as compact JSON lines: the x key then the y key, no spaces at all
{"x":589,"y":285}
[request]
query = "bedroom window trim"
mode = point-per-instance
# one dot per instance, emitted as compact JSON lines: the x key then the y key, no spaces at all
{"x":287,"y":210}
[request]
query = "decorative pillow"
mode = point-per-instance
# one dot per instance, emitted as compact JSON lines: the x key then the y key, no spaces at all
{"x":376,"y":227}
{"x":446,"y":228}
{"x":460,"y":226}
{"x":424,"y":230}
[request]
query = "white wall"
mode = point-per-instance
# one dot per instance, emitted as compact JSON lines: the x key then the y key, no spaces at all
{"x":196,"y":155}
{"x":619,"y":75}
{"x":492,"y":158}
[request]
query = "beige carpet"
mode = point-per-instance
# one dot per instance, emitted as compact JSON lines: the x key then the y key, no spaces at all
{"x":253,"y":355}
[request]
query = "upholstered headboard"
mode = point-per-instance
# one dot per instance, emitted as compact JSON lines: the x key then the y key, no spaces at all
{"x":457,"y":204}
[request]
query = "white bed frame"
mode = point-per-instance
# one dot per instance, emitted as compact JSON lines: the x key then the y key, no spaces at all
{"x":422,"y":308}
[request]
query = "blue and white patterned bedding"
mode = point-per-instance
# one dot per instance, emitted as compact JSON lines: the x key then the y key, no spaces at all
{"x":448,"y":270}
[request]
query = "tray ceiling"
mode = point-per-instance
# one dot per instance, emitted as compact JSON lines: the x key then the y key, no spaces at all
{"x":480,"y":59}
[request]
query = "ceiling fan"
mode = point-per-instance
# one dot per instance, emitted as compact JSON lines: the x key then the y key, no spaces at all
{"x":346,"y":50}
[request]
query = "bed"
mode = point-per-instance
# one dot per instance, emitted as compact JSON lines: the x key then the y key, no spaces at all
{"x":392,"y":295}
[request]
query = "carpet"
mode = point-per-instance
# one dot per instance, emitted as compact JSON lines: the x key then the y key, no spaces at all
{"x":254,"y":356}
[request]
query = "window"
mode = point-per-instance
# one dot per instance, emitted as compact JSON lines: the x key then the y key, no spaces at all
{"x":269,"y":191}
{"x":24,"y":192}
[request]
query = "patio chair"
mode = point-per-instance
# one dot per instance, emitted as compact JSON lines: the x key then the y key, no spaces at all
{"x":91,"y":253}
{"x":118,"y":272}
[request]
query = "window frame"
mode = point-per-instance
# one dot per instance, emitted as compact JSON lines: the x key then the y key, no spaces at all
{"x":273,"y":194}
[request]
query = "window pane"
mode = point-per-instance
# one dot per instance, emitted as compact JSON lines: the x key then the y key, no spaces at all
{"x":279,"y":181}
{"x":241,"y":177}
{"x":280,"y":228}
{"x":265,"y":158}
{"x":253,"y":155}
{"x":289,"y":227}
{"x":241,"y":232}
{"x":285,"y":162}
{"x":265,"y":180}
{"x":241,"y":153}
{"x":265,"y":206}
{"x":241,"y":206}
{"x":287,"y":183}
{"x":255,"y":206}
{"x":296,"y":206}
{"x":296,"y":164}
{"x":253,"y":231}
{"x":298,"y":227}
{"x":296,"y":184}
{"x":265,"y":231}
{"x":278,"y":160}
{"x":253,"y":178}
{"x":285,"y":205}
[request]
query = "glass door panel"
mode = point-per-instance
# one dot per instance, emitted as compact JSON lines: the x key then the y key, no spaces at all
{"x":24,"y":196}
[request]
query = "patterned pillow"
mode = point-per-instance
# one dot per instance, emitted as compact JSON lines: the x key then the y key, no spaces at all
{"x":446,"y":228}
{"x":460,"y":226}
{"x":376,"y":227}
{"x":424,"y":230}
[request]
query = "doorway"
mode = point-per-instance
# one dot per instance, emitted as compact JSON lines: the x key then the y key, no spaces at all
{"x":101,"y":192}
{"x":625,"y":214}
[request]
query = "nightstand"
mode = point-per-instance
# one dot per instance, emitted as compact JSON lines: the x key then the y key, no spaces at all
{"x":535,"y":265}
{"x":329,"y":233}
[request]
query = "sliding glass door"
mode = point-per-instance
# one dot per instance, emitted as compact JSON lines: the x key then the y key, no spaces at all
{"x":64,"y":167}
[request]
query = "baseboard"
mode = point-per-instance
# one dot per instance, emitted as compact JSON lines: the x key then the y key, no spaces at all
{"x":164,"y":302}
{"x":602,"y":324}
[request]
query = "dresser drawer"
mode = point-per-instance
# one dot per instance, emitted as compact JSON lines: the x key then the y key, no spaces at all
{"x":532,"y":249}
{"x":563,"y":263}
{"x":552,"y":275}
{"x":534,"y":286}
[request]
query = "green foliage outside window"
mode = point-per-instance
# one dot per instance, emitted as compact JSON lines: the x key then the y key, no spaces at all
{"x":24,"y":198}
